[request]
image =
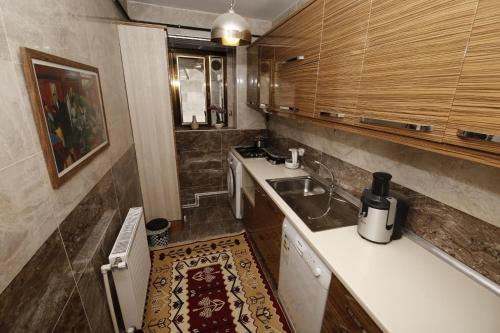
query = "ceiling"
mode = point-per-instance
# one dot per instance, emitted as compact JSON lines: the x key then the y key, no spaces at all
{"x":260,"y":9}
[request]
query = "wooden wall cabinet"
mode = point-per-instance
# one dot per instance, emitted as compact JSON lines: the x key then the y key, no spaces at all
{"x":298,"y":39}
{"x":253,"y":76}
{"x":412,"y":64}
{"x":266,"y":67}
{"x":294,"y":88}
{"x":421,"y":73}
{"x":265,"y":231}
{"x":297,"y":45}
{"x":343,"y":314}
{"x":345,"y":25}
{"x":260,"y":64}
{"x":475,"y":116}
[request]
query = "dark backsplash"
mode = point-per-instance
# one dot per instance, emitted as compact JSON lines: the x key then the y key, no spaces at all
{"x":468,"y":239}
{"x":61,"y":288}
{"x":202,"y":158}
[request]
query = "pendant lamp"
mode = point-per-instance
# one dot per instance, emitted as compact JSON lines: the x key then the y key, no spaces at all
{"x":230,"y":29}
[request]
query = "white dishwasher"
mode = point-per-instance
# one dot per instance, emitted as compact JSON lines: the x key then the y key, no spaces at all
{"x":303,"y":282}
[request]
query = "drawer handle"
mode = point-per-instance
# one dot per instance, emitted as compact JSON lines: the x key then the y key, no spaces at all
{"x":478,"y":136}
{"x":336,"y":115}
{"x":396,"y":124}
{"x":294,"y":59}
{"x":289,"y":108}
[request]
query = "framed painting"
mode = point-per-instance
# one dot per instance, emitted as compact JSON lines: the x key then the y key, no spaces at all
{"x":68,"y":108}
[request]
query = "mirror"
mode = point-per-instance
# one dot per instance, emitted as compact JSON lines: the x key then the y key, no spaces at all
{"x":192,"y":91}
{"x":216,"y":85}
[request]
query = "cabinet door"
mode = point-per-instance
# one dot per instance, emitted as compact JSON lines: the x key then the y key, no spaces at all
{"x":266,"y":65}
{"x":253,"y":76}
{"x":412,"y":65}
{"x":475,"y":117}
{"x":295,"y":87}
{"x":268,"y":223}
{"x":298,"y":39}
{"x":343,"y":314}
{"x":345,"y":25}
{"x":248,"y":213}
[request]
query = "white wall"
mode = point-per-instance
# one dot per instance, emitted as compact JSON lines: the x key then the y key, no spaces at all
{"x":30,"y":209}
{"x":170,"y":15}
{"x":287,"y":12}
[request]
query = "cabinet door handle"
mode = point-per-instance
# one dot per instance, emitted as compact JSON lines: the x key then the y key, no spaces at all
{"x":353,"y":316}
{"x":289,"y":108}
{"x":336,"y":115}
{"x":296,"y":58}
{"x":396,"y":124}
{"x":469,"y":135}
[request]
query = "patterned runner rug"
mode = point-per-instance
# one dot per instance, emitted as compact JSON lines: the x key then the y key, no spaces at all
{"x":210,"y":286}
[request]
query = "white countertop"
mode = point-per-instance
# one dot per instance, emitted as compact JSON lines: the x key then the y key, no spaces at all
{"x":401,"y":285}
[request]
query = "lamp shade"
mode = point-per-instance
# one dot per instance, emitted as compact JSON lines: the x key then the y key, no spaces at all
{"x":230,"y":29}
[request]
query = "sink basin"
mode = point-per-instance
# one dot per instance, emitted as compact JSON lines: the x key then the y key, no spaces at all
{"x":307,"y":186}
{"x":319,"y":207}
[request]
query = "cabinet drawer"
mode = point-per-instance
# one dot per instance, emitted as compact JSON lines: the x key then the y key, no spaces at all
{"x":295,"y":88}
{"x":300,"y":37}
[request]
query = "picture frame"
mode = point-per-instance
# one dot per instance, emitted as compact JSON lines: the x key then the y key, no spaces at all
{"x":68,"y":108}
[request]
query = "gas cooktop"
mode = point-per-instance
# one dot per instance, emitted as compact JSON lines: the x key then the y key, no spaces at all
{"x":256,"y":152}
{"x":251,"y":152}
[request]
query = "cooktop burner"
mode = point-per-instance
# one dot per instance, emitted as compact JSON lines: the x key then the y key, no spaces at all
{"x":251,"y":152}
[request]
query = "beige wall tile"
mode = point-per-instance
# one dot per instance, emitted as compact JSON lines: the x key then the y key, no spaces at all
{"x":4,"y":48}
{"x":16,"y":139}
{"x":30,"y":208}
{"x":26,"y":214}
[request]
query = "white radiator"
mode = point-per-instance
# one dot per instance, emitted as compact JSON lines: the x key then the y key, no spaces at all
{"x":130,"y":263}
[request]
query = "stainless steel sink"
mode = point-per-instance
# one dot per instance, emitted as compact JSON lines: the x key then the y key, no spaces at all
{"x":320,"y":206}
{"x":307,"y":186}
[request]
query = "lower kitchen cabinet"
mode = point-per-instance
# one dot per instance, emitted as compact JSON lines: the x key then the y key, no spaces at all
{"x":343,"y":314}
{"x":265,"y":227}
{"x":248,"y":212}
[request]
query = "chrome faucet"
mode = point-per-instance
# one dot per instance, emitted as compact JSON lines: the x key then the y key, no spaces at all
{"x":330,"y":171}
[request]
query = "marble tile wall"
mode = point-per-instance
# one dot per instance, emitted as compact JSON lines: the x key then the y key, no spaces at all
{"x":467,"y":238}
{"x":30,"y":209}
{"x":61,"y":288}
{"x":202,"y":158}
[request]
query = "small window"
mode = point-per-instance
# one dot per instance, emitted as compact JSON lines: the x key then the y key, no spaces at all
{"x":198,"y":80}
